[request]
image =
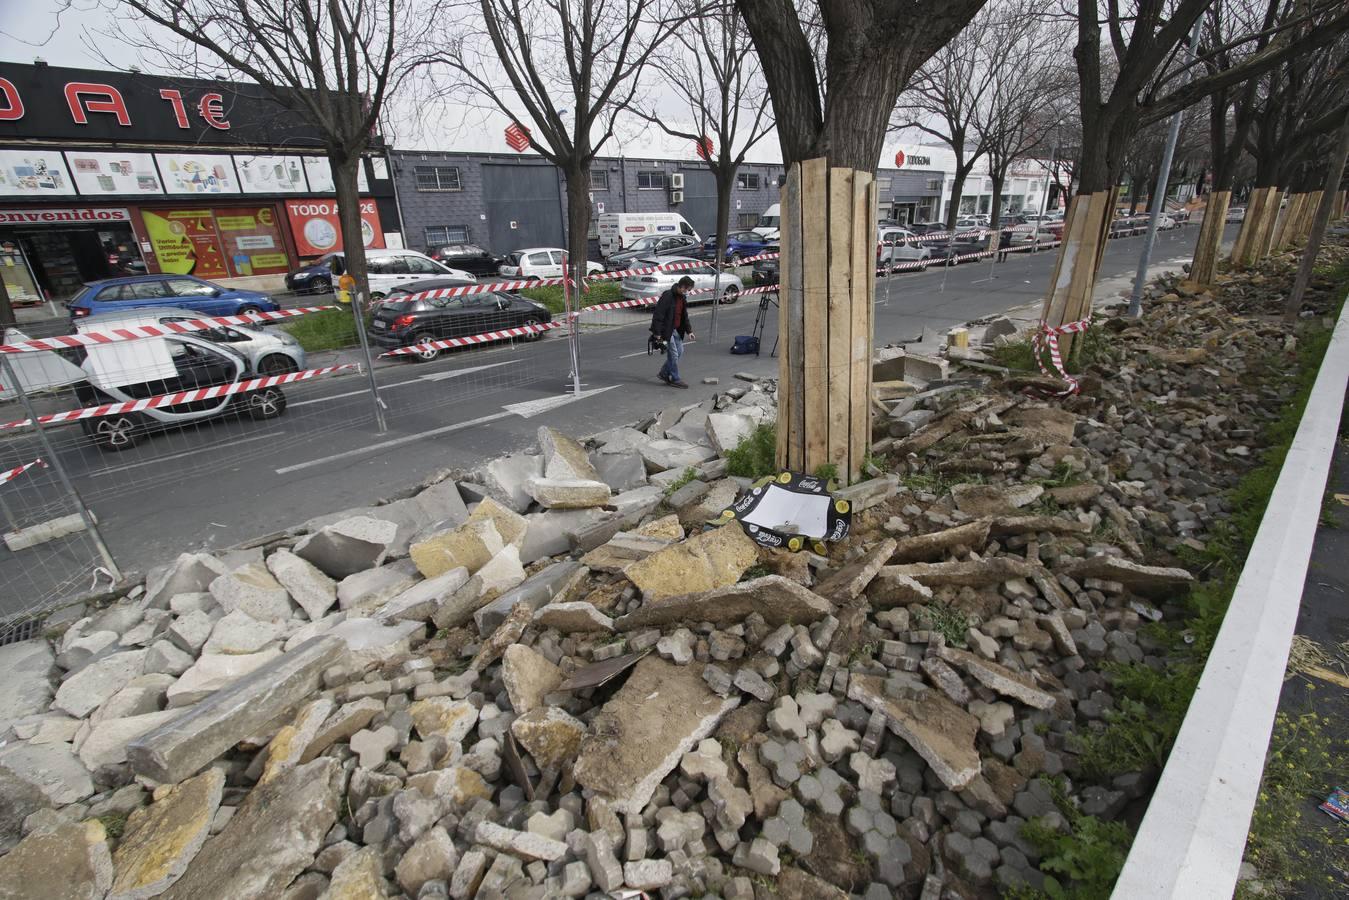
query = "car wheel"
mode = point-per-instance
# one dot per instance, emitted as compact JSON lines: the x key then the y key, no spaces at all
{"x":320,"y":285}
{"x":428,"y":354}
{"x":248,"y":308}
{"x":377,"y":297}
{"x":735,"y":260}
{"x":267,"y":403}
{"x":534,"y":335}
{"x":277,"y":364}
{"x":115,"y":433}
{"x":730,"y":295}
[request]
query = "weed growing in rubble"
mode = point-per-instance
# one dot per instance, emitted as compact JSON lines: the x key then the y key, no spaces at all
{"x":114,"y":824}
{"x":1300,"y":768}
{"x":1088,"y":856}
{"x":947,"y":621}
{"x":826,"y":471}
{"x":756,"y":455}
{"x":688,"y":476}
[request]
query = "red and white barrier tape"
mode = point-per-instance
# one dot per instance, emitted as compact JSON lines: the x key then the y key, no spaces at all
{"x":1048,"y":335}
{"x":139,"y":332}
{"x":192,"y":396}
{"x":472,"y":339}
{"x":19,"y":470}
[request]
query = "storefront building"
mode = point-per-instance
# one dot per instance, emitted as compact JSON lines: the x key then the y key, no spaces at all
{"x":114,"y":173}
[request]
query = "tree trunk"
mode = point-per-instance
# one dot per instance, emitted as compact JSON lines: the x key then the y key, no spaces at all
{"x":1318,"y":229}
{"x":6,"y":309}
{"x":995,"y":211}
{"x":1207,"y":245}
{"x":957,"y":188}
{"x":1135,"y":188}
{"x":345,"y":168}
{"x":578,"y":218}
{"x":725,"y":175}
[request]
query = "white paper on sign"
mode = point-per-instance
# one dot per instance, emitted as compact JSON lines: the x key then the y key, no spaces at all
{"x":783,"y":510}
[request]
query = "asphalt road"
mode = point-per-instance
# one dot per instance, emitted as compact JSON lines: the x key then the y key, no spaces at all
{"x":229,"y":480}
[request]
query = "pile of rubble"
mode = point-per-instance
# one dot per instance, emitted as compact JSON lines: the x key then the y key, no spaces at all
{"x":550,"y":677}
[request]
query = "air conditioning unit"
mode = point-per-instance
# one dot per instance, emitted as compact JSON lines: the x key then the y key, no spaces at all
{"x":677,"y":182}
{"x":676,"y":196}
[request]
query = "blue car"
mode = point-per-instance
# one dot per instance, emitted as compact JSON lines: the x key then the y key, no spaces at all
{"x":112,"y":295}
{"x":738,"y":246}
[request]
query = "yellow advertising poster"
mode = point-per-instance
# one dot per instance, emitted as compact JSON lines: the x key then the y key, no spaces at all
{"x":185,"y":241}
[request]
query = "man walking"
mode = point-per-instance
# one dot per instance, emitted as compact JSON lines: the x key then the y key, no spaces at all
{"x":670,"y":323}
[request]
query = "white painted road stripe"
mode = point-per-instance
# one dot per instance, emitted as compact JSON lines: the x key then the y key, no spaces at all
{"x":531,"y":408}
{"x":396,"y":442}
{"x":436,"y":376}
{"x":180,"y":455}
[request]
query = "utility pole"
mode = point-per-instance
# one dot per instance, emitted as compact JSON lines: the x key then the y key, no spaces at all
{"x":1332,"y":188}
{"x":1159,"y":195}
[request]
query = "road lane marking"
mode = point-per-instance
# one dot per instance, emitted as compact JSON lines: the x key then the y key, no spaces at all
{"x":172,"y":456}
{"x":531,"y":408}
{"x":395,"y":442}
{"x":435,"y":376}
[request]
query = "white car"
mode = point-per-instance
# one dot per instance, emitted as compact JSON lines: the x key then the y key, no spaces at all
{"x":1236,"y":214}
{"x":899,"y":245}
{"x":1166,"y":223}
{"x":269,"y":351}
{"x":388,"y":269}
{"x":704,"y":275}
{"x":539,"y":262}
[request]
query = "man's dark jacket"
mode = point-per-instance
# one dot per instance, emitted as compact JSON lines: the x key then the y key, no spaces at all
{"x":663,"y":322}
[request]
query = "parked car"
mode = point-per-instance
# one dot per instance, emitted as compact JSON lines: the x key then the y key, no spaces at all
{"x":921,"y":228}
{"x":948,"y":252}
{"x":898,"y":245}
{"x":181,"y":291}
{"x":654,"y":247}
{"x":765,"y":272}
{"x":400,"y":322}
{"x":1236,"y":214}
{"x":769,"y":226}
{"x":1166,"y":222}
{"x":637,"y":287}
{"x":178,"y":363}
{"x":467,"y":258}
{"x":738,"y":245}
{"x":269,"y":351}
{"x":617,"y":231}
{"x":539,"y":262}
{"x":385,"y":270}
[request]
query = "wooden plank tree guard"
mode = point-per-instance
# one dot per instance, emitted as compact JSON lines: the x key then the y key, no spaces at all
{"x":1084,"y":235}
{"x":1206,"y":247}
{"x":828,"y":290}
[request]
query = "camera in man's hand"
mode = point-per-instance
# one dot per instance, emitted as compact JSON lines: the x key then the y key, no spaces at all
{"x":654,"y":345}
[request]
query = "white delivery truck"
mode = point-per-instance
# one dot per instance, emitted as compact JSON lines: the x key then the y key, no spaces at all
{"x":770,"y":224}
{"x":618,"y":230}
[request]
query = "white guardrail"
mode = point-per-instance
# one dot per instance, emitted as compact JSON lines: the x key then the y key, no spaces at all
{"x":1190,"y":843}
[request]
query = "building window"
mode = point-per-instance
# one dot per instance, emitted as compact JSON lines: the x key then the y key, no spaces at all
{"x":934,"y":184}
{"x":438,"y":178}
{"x":747,"y":181}
{"x":651,"y":181}
{"x":748,"y":220}
{"x":599,"y":179}
{"x":440,"y":235}
{"x":927,"y":209}
{"x":883,"y":184}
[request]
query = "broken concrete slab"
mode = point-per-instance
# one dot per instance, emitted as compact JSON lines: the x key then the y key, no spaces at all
{"x":181,"y":747}
{"x":510,"y":525}
{"x":557,"y":580}
{"x":270,"y":839}
{"x":26,"y":689}
{"x":162,"y":839}
{"x":925,"y":547}
{"x":51,"y":769}
{"x":315,"y":592}
{"x":779,"y":600}
{"x":563,"y":457}
{"x":239,"y":633}
{"x":106,"y":742}
{"x":940,"y":732}
{"x":443,"y":717}
{"x":666,"y":454}
{"x":713,"y":559}
{"x":190,"y":573}
{"x":87,"y":689}
{"x":1141,"y":579}
{"x":349,"y":546}
{"x":498,"y":575}
{"x":622,"y":550}
{"x":442,"y":502}
{"x":370,"y":642}
{"x":507,"y":476}
{"x":621,"y":471}
{"x":67,"y":862}
{"x":554,"y":532}
{"x":865,"y":494}
{"x":519,"y":843}
{"x":555,"y":493}
{"x":725,"y":431}
{"x":999,"y":678}
{"x":420,"y":601}
{"x":642,"y":732}
{"x":850,"y":581}
{"x":709,"y":506}
{"x":252,"y":589}
{"x":468,"y":546}
{"x":965,"y":573}
{"x":528,"y":677}
{"x":342,"y":724}
{"x":550,"y":735}
{"x":369,"y":589}
{"x":213,"y":671}
{"x":993,"y":499}
{"x":576,"y":616}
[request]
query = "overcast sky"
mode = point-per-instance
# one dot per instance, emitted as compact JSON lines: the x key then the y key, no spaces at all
{"x":31,"y":29}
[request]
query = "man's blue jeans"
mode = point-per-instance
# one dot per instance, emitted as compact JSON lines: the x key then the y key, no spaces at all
{"x":674,"y":348}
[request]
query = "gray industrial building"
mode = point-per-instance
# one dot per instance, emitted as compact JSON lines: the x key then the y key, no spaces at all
{"x":504,"y":201}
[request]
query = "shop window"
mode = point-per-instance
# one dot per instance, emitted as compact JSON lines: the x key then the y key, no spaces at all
{"x":747,"y":181}
{"x":599,"y":179}
{"x":438,"y":178}
{"x":748,"y":220}
{"x":934,"y":184}
{"x":651,"y":181}
{"x":927,"y":209}
{"x":883,"y":184}
{"x":439,"y":235}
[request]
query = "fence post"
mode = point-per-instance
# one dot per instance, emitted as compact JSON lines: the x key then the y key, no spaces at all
{"x":573,"y":325}
{"x":348,"y":285}
{"x":49,"y":454}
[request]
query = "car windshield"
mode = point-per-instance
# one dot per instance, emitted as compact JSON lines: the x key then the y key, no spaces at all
{"x":513,"y":259}
{"x":646,"y":243}
{"x":769,"y":221}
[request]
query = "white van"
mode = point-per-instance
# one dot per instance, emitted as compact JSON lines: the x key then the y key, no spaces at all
{"x":770,"y":224}
{"x":618,"y":230}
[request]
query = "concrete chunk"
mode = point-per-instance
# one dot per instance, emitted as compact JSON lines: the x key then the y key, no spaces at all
{"x":999,"y":678}
{"x":252,"y":589}
{"x":68,"y":862}
{"x":1134,"y":576}
{"x":621,"y":471}
{"x":469,"y":546}
{"x":87,"y":689}
{"x":498,"y":575}
{"x":367,"y":590}
{"x":972,"y":535}
{"x":180,"y":748}
{"x":779,"y":600}
{"x":563,"y":457}
{"x":26,"y":689}
{"x":940,"y":732}
{"x":713,"y":559}
{"x":190,"y":573}
{"x":966,"y":573}
{"x":555,"y":493}
{"x":507,"y":476}
{"x":162,"y":839}
{"x":315,"y":592}
{"x":349,"y":546}
{"x":556,"y":580}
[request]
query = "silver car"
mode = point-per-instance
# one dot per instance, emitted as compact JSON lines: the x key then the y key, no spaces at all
{"x":899,"y":245}
{"x":637,"y":287}
{"x":268,"y":351}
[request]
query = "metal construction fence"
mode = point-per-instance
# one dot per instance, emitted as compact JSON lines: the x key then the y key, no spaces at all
{"x":123,"y":439}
